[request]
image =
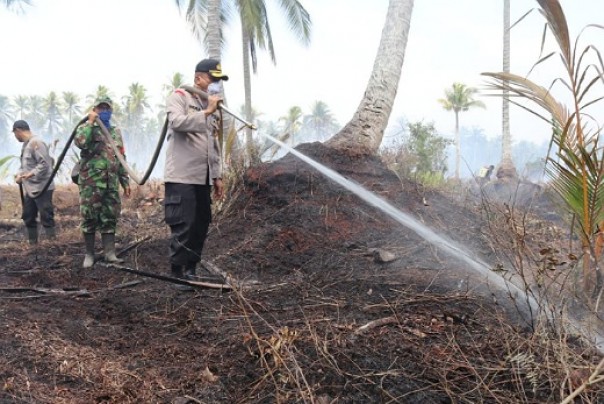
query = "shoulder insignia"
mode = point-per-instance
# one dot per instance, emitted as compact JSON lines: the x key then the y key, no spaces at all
{"x":180,"y":91}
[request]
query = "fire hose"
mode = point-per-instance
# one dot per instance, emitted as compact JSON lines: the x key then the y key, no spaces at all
{"x":171,"y":279}
{"x":120,"y":157}
{"x":221,"y":106}
{"x":59,"y":161}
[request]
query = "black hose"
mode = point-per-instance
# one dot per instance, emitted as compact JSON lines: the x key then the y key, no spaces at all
{"x":204,"y":95}
{"x":120,"y":157}
{"x":60,"y":159}
{"x":22,"y":195}
{"x":122,"y":160}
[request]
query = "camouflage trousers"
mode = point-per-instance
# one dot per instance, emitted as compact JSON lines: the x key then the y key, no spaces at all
{"x":100,"y":208}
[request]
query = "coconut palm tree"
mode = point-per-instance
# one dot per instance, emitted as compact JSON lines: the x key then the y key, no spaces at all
{"x":22,"y":104}
{"x":100,"y":92}
{"x":135,"y":105}
{"x":16,"y":5}
{"x":71,"y":108}
{"x":576,"y":167}
{"x":459,"y":98}
{"x":320,"y":122}
{"x":364,"y":132}
{"x":507,"y":168}
{"x":292,"y":122}
{"x":52,"y":115}
{"x":214,"y":40}
{"x":256,"y":34}
{"x":35,"y":115}
{"x":177,"y":80}
{"x":6,"y":116}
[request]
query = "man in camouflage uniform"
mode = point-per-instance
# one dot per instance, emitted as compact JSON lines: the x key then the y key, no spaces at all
{"x":101,"y":174}
{"x":193,"y":168}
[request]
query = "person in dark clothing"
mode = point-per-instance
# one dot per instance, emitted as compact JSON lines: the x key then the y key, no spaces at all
{"x":489,"y":172}
{"x":484,"y":175}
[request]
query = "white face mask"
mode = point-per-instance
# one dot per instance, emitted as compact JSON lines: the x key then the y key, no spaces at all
{"x":215,"y":88}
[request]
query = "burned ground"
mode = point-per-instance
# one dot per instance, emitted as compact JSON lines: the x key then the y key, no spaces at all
{"x":316,"y":316}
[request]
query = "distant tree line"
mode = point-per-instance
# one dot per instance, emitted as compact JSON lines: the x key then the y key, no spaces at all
{"x":422,"y":153}
{"x":55,"y":115}
{"x":478,"y":150}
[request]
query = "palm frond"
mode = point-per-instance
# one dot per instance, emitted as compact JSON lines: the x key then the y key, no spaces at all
{"x":298,"y":18}
{"x":572,"y":170}
{"x":541,"y":60}
{"x":5,"y":163}
{"x":556,"y":20}
{"x":525,"y":88}
{"x":584,"y":92}
{"x":269,"y":36}
{"x":521,"y":18}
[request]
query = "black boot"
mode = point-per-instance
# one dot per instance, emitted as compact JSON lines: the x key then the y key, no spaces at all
{"x":32,"y":235}
{"x":176,"y":271}
{"x":109,"y":248}
{"x":190,"y":271}
{"x":50,"y":232}
{"x":89,"y":257}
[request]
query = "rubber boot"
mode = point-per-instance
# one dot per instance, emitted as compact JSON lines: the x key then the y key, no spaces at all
{"x":190,"y":271}
{"x":177,"y":272}
{"x":89,"y":257}
{"x":32,"y":235}
{"x":50,"y":232}
{"x":109,"y":248}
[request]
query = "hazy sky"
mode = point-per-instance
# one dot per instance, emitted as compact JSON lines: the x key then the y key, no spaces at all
{"x":66,"y":45}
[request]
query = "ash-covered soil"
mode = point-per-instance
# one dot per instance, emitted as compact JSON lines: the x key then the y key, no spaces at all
{"x":335,"y":302}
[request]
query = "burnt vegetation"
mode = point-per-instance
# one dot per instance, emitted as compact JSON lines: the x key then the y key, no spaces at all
{"x":315,"y":314}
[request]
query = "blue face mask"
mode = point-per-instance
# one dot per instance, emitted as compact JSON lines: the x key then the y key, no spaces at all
{"x":215,"y":87}
{"x":105,"y":117}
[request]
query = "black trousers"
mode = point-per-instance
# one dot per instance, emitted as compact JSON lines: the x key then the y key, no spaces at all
{"x":41,"y":205}
{"x":188,"y":212}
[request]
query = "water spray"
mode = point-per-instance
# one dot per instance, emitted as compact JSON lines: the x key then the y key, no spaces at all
{"x":420,"y":229}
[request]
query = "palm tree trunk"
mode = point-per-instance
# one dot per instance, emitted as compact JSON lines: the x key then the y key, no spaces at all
{"x":507,"y":168}
{"x":213,"y":29}
{"x":364,"y":132}
{"x":247,"y":84}
{"x":213,"y":43}
{"x":457,"y":146}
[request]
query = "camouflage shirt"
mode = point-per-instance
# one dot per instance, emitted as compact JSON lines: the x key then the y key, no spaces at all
{"x":100,"y":166}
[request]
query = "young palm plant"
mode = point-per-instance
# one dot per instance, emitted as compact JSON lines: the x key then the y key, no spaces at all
{"x":5,"y":163}
{"x":576,"y":163}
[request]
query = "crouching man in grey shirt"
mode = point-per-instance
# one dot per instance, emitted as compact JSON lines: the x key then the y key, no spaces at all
{"x":34,"y":173}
